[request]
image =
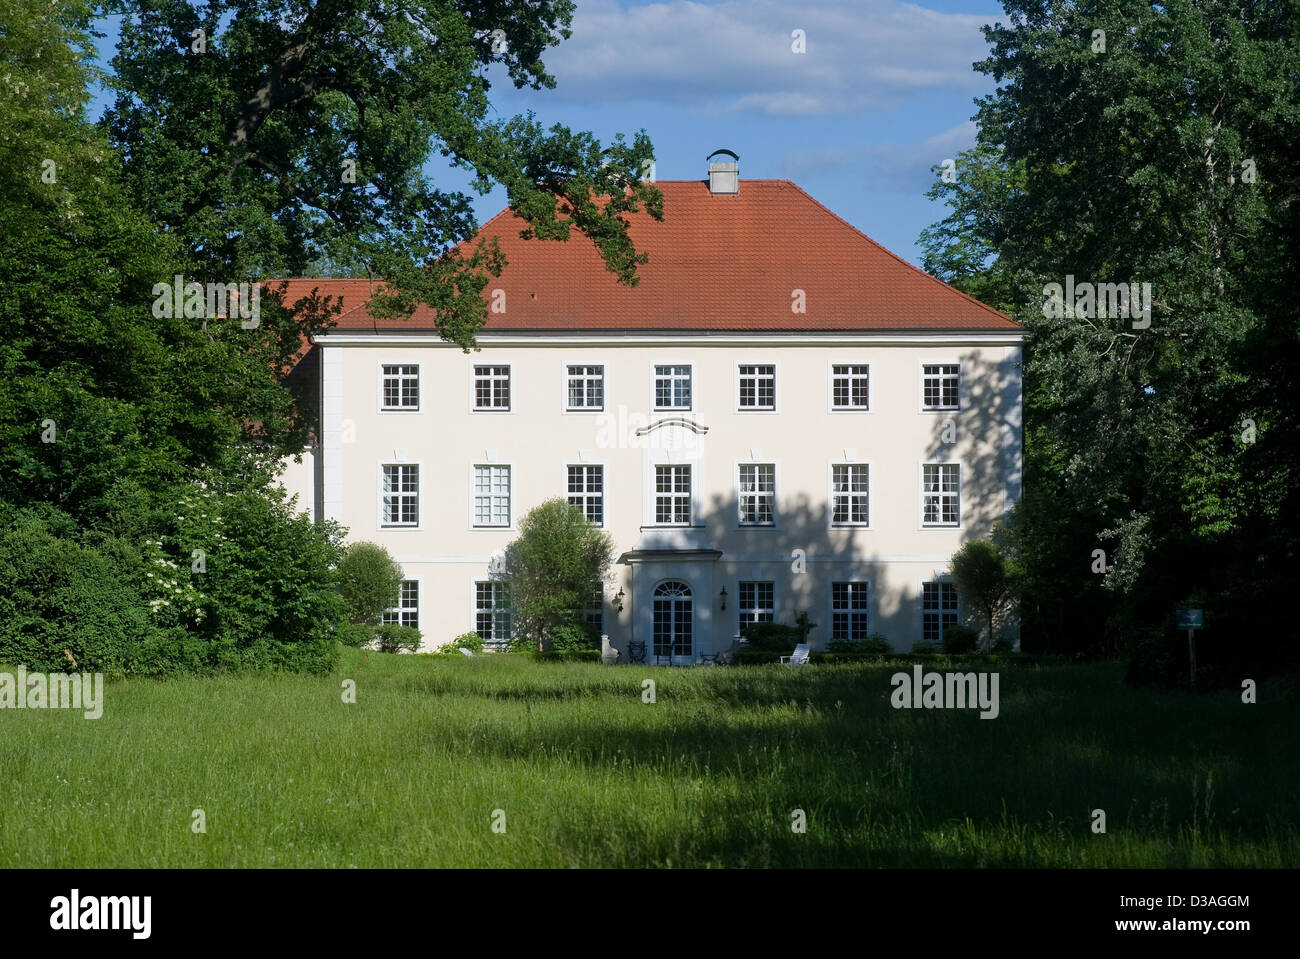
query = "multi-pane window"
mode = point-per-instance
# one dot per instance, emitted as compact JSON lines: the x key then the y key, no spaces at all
{"x":407,"y":610}
{"x":848,"y":611}
{"x":674,"y":620}
{"x":587,"y":491}
{"x":491,"y":387}
{"x":938,"y":610}
{"x":401,"y":387}
{"x":849,"y":483}
{"x":940,"y":494}
{"x":757,"y":387}
{"x":757,"y":483}
{"x":491,"y":495}
{"x":849,"y":387}
{"x":673,"y":495}
{"x":939,"y":385}
{"x":586,"y":388}
{"x":755,"y":604}
{"x":672,"y":387}
{"x":593,"y":614}
{"x":401,"y":495}
{"x":492,"y":613}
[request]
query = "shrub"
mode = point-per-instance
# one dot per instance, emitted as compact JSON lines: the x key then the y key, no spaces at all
{"x":873,"y":645}
{"x":394,"y":638}
{"x":471,"y":641}
{"x":356,"y":634}
{"x":569,"y":637}
{"x":924,"y":648}
{"x":566,"y":656}
{"x":959,"y":639}
{"x":57,"y":594}
{"x":756,"y":657}
{"x":1004,"y":645}
{"x":772,"y":638}
{"x":370,"y":580}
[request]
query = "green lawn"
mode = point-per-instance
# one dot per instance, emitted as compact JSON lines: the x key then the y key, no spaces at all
{"x":589,"y":775}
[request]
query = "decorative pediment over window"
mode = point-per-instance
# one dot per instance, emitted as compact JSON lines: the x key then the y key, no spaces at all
{"x":679,"y":421}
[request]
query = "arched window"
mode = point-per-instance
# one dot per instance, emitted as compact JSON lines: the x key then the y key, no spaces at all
{"x":673,"y":612}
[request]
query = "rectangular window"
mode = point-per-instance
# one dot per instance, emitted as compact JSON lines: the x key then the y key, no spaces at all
{"x":491,"y":495}
{"x":492,"y":388}
{"x":757,"y":388}
{"x":941,"y":494}
{"x":848,"y":612}
{"x":594,"y":612}
{"x":401,"y":387}
{"x":757,"y":495}
{"x":938,"y":610}
{"x":587,"y":491}
{"x":849,"y":484}
{"x":849,"y":387}
{"x":940,"y":386}
{"x":672,"y":387}
{"x":401,"y":496}
{"x":673,"y":495}
{"x":492,"y":613}
{"x":755,"y":604}
{"x":586,"y":388}
{"x":407,"y":610}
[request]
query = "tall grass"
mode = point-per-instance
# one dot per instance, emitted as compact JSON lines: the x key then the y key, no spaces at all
{"x":587,"y":774}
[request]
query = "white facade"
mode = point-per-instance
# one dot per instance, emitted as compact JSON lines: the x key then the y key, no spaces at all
{"x":848,"y":498}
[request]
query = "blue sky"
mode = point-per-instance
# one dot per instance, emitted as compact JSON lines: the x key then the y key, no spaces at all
{"x":884,"y":92}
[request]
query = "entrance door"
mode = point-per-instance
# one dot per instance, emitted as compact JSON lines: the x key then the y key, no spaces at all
{"x":674,"y":620}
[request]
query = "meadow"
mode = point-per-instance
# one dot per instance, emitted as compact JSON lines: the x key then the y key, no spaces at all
{"x":498,"y":761}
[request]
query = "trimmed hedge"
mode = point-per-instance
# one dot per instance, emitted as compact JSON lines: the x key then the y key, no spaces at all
{"x":565,"y":656}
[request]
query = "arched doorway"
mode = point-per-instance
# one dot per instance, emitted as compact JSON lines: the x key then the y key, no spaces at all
{"x":673,"y":620}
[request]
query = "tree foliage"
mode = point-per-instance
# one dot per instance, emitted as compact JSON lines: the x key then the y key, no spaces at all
{"x":280,"y":137}
{"x":981,"y":576}
{"x":1163,"y":158}
{"x":370,"y":580}
{"x":553,"y":565}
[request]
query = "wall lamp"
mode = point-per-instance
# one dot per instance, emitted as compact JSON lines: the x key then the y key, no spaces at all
{"x":618,"y":598}
{"x":724,"y":599}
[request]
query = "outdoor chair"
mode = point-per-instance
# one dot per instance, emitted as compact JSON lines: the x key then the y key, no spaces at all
{"x":798,"y":658}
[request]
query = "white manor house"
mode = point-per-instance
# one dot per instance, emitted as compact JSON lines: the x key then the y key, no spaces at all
{"x":782,"y":416}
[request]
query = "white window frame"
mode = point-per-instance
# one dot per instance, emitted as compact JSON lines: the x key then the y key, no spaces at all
{"x":920,"y":386}
{"x":940,"y":580}
{"x":742,"y":609}
{"x":496,"y":584}
{"x":473,"y":495}
{"x":654,"y":387}
{"x":922,"y":494}
{"x":604,"y":385}
{"x":492,"y":377}
{"x":419,"y":490}
{"x":394,"y":615}
{"x":865,"y":610}
{"x":830,"y":387}
{"x":604,"y":488}
{"x":741,"y":494}
{"x":830,"y":494}
{"x":776,"y":387}
{"x":419,"y":386}
{"x":690,"y":494}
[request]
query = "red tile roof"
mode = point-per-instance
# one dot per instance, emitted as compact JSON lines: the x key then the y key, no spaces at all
{"x":717,"y":262}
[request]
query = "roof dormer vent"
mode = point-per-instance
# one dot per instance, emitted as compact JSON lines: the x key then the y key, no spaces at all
{"x":724,"y":176}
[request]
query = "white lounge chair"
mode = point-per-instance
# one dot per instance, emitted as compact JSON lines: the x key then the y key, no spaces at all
{"x":798,"y":658}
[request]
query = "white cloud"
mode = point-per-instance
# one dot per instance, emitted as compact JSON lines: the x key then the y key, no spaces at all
{"x":736,"y":54}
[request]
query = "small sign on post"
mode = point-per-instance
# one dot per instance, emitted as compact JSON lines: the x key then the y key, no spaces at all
{"x":1190,"y":620}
